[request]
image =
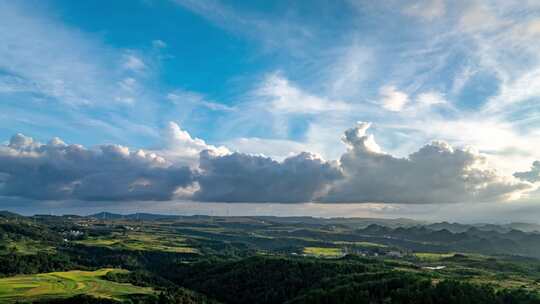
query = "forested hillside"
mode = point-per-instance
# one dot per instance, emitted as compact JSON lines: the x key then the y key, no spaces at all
{"x":175,"y":259}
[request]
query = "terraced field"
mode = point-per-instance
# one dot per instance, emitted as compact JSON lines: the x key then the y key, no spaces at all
{"x":64,"y":285}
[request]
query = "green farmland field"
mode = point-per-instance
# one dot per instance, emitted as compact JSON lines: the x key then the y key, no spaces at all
{"x":141,"y":242}
{"x":323,"y":252}
{"x":64,"y":285}
{"x":432,"y":257}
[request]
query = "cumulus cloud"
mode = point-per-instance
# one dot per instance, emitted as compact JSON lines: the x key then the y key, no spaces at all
{"x":437,"y":173}
{"x":532,"y":175}
{"x":190,"y":169}
{"x":241,"y":177}
{"x":277,"y":149}
{"x":181,"y":147}
{"x":58,"y":171}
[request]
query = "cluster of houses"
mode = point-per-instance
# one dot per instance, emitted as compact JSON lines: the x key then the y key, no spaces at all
{"x":374,"y":252}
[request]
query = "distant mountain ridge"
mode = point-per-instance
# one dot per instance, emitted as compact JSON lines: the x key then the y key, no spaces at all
{"x":457,"y":227}
{"x":358,"y":223}
{"x":132,"y":216}
{"x":351,"y":222}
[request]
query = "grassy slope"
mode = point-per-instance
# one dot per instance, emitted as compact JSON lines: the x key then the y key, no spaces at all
{"x":141,"y":241}
{"x":63,"y":285}
{"x":26,"y":247}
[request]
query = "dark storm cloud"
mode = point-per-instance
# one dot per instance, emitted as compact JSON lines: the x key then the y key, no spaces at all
{"x":241,"y":177}
{"x":57,"y":171}
{"x":437,"y":173}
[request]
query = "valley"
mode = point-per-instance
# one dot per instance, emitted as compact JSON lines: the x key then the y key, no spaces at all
{"x":146,"y":258}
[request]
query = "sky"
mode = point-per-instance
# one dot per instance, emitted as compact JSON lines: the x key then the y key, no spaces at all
{"x":422,"y":109}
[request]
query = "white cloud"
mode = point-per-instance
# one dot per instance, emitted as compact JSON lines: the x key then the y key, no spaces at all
{"x":323,"y":136}
{"x":503,"y":41}
{"x":160,"y":44}
{"x":133,"y":63}
{"x":348,"y":70}
{"x":479,"y":17}
{"x":430,"y":98}
{"x":507,"y":148}
{"x":271,"y":109}
{"x":182,"y":97}
{"x":392,"y":99}
{"x":278,"y":149}
{"x":128,"y":89}
{"x":273,"y":33}
{"x":427,"y":9}
{"x":285,"y":98}
{"x":50,"y":61}
{"x":524,"y":87}
{"x":178,"y":145}
{"x":533,"y":27}
{"x":128,"y":84}
{"x":357,"y":138}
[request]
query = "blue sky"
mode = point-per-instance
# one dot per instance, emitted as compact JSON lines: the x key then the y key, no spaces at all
{"x":278,"y":78}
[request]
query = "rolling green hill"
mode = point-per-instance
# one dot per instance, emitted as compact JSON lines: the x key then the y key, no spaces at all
{"x":273,"y":260}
